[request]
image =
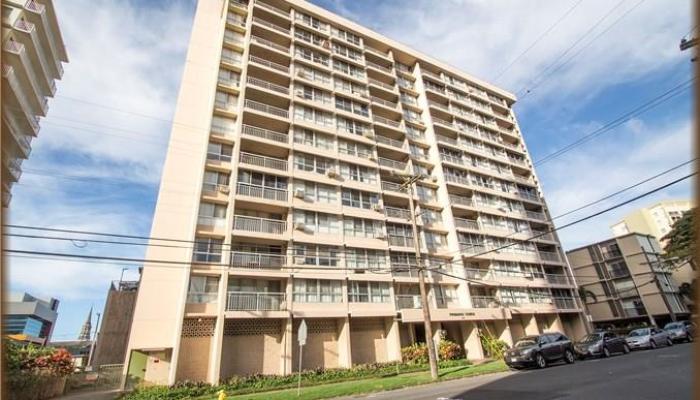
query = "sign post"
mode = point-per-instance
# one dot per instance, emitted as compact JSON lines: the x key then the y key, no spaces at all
{"x":301,"y":338}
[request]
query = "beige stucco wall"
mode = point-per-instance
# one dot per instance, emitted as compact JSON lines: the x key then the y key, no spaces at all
{"x":193,"y":359}
{"x":368,"y":340}
{"x":251,"y":354}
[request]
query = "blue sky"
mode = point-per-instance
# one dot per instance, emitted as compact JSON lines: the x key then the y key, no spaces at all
{"x":97,"y":161}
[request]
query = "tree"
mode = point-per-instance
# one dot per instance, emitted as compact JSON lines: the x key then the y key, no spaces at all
{"x":680,"y":242}
{"x":585,"y":294}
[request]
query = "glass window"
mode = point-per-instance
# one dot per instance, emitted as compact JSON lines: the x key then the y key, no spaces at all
{"x":207,"y":250}
{"x":203,"y":289}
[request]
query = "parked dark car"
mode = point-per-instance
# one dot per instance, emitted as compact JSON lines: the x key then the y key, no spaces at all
{"x":540,"y":351}
{"x":600,"y":344}
{"x":681,"y":331}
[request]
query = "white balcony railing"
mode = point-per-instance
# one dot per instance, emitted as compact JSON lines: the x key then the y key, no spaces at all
{"x":549,"y":256}
{"x":249,"y":260}
{"x":268,"y":64}
{"x":385,"y":103}
{"x":386,"y":162}
{"x":213,"y":222}
{"x":259,"y":225}
{"x":267,"y":85}
{"x":408,"y":301}
{"x":401,"y":213}
{"x":393,"y":187}
{"x":262,"y":161}
{"x":390,"y":142}
{"x":270,"y":25}
{"x":261,"y":192}
{"x":484,"y":302}
{"x":254,"y":301}
{"x":383,"y":85}
{"x":466,"y":224}
{"x":270,"y":44}
{"x":272,"y":9}
{"x":465,"y":201}
{"x":380,"y":67}
{"x":265,"y":134}
{"x":262,"y":107}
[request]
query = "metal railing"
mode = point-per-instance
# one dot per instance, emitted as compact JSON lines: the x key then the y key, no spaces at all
{"x":527,"y":196}
{"x":484,"y":302}
{"x":457,"y":179}
{"x":408,"y":301}
{"x":543,"y":235}
{"x":465,"y":201}
{"x":259,"y":225}
{"x":382,"y":84}
{"x":385,"y":162}
{"x":393,"y":212}
{"x":257,"y":106}
{"x":246,"y":189}
{"x":565,"y":303}
{"x":268,"y":43}
{"x":385,"y":103}
{"x":265,"y":134}
{"x":262,"y":161}
{"x":393,"y":187}
{"x":270,"y":25}
{"x":549,"y":256}
{"x":273,"y":9}
{"x":267,"y":85}
{"x":431,"y":74}
{"x":229,"y":82}
{"x":386,"y":121}
{"x":377,"y":52}
{"x":254,"y":301}
{"x":535,"y":215}
{"x":557,"y":279}
{"x":380,"y":67}
{"x":249,"y":260}
{"x":390,"y":142}
{"x":452,"y":159}
{"x":268,"y":64}
{"x":466,"y":223}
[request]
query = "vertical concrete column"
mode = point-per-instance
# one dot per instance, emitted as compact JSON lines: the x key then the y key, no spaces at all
{"x":214,"y":373}
{"x":503,"y":331}
{"x":393,"y":339}
{"x":530,"y":324}
{"x":344,"y":347}
{"x":556,"y":324}
{"x":472,"y":343}
{"x":287,"y":343}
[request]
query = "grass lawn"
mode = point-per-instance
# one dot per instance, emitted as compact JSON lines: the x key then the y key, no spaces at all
{"x":371,"y":385}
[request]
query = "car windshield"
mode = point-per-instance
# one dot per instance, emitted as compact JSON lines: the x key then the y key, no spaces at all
{"x":673,"y":325}
{"x":593,"y":337}
{"x":639,"y":332}
{"x":526,"y":342}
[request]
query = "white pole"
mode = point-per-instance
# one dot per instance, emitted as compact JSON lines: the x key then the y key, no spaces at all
{"x":301,"y":352}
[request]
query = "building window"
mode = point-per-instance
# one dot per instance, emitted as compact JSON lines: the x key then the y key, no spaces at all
{"x":207,"y":250}
{"x":313,"y":138}
{"x":219,"y":152}
{"x":317,"y":192}
{"x":317,"y":223}
{"x":365,"y":259}
{"x":359,"y":199}
{"x":214,"y":180}
{"x":368,"y":292}
{"x":400,"y":235}
{"x":203,"y":289}
{"x":309,"y":254}
{"x":359,"y":227}
{"x":358,"y":173}
{"x":354,"y":149}
{"x":317,"y":291}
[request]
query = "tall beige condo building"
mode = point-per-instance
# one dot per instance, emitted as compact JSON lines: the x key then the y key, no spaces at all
{"x":291,"y":125}
{"x":32,"y":53}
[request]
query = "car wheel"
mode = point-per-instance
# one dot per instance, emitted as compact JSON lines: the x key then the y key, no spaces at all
{"x":569,"y":357}
{"x":625,"y":349}
{"x":669,"y":341}
{"x":689,"y":338}
{"x":652,"y":344}
{"x":540,"y":360}
{"x":606,"y":352}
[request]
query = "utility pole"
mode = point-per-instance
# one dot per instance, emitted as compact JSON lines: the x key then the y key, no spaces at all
{"x":409,"y":181}
{"x":658,"y":285}
{"x":94,"y":341}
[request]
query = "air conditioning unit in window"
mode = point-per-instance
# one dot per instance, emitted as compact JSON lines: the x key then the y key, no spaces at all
{"x":331,"y":173}
{"x":224,"y":189}
{"x":304,"y":74}
{"x":300,"y":226}
{"x":299,"y":194}
{"x":377,"y":207}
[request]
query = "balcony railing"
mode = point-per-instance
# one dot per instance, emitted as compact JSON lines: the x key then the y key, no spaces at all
{"x":270,"y":44}
{"x":380,"y":67}
{"x":386,"y":86}
{"x":235,"y":21}
{"x":543,"y":235}
{"x":465,"y":201}
{"x":242,"y":259}
{"x":386,"y":121}
{"x":393,"y":187}
{"x":257,"y":106}
{"x":390,"y":142}
{"x":408,"y":301}
{"x":549,"y":256}
{"x":259,"y":225}
{"x":229,"y":82}
{"x":262,"y":161}
{"x":466,"y":223}
{"x":535,"y":215}
{"x":385,"y":103}
{"x":484,"y":302}
{"x":267,"y":85}
{"x":527,"y":196}
{"x":400,"y":241}
{"x":376,"y":52}
{"x":401,"y":213}
{"x":452,"y":159}
{"x":565,"y":303}
{"x":245,"y":189}
{"x":270,"y":25}
{"x":265,"y":134}
{"x":254,"y":301}
{"x":272,"y":9}
{"x":269,"y":64}
{"x":557,"y":279}
{"x":457,"y":179}
{"x":385,"y":162}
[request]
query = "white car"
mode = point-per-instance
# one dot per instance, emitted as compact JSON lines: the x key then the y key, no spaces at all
{"x":648,"y":338}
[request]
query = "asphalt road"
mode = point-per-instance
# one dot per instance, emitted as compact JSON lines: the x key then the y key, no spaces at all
{"x":664,"y":373}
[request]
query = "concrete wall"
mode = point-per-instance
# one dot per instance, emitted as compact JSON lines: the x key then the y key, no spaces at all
{"x":368,"y":340}
{"x":251,"y":354}
{"x":193,"y":359}
{"x":114,"y":328}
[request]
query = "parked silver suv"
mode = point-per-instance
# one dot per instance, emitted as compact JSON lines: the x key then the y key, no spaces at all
{"x":648,"y":338}
{"x":681,"y":330}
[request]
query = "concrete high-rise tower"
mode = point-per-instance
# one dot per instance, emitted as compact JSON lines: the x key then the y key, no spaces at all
{"x":291,"y":125}
{"x":86,"y":330}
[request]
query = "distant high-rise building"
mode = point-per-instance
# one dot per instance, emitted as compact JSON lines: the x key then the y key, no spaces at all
{"x":655,"y":220}
{"x":624,"y":281}
{"x":32,"y":53}
{"x":291,"y":126}
{"x":86,"y":330}
{"x":28,"y":318}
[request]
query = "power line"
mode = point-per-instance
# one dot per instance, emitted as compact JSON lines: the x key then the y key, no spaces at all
{"x":650,"y":104}
{"x":545,"y":33}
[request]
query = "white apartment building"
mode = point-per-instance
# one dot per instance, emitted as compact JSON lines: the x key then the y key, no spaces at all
{"x":291,"y":125}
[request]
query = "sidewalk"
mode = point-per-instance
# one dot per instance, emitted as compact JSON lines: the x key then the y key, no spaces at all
{"x":101,"y":395}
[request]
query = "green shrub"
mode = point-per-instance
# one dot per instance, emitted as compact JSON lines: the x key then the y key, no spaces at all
{"x":493,"y":347}
{"x":450,"y":351}
{"x":416,"y":353}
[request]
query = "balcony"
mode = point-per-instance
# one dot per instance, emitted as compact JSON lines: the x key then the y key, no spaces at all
{"x":408,"y":301}
{"x":249,"y":130}
{"x":381,"y":68}
{"x":247,"y":260}
{"x":527,"y":196}
{"x":385,"y":162}
{"x":400,"y":213}
{"x":259,"y":225}
{"x":462,"y":180}
{"x":393,"y":187}
{"x":264,"y":162}
{"x":272,"y":9}
{"x":14,"y":166}
{"x":432,"y":75}
{"x":391,"y":88}
{"x":461,"y":200}
{"x":549,"y":256}
{"x":565,"y":303}
{"x":466,"y":224}
{"x":386,"y":121}
{"x":402,"y":241}
{"x":233,"y":40}
{"x":245,"y":189}
{"x":269,"y":64}
{"x":223,"y":130}
{"x":452,"y":159}
{"x":225,"y":106}
{"x":269,"y":44}
{"x":399,"y":144}
{"x":557,"y":279}
{"x":377,"y":53}
{"x":271,"y":26}
{"x":255,"y":301}
{"x":211,"y":222}
{"x":228,"y":82}
{"x":535,"y":215}
{"x":385,"y":103}
{"x":485,"y":302}
{"x":265,"y":108}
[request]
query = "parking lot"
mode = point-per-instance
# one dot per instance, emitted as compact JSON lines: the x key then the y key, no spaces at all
{"x":664,"y":373}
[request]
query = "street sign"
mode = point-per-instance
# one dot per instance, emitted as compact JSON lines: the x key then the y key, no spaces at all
{"x":302,"y":333}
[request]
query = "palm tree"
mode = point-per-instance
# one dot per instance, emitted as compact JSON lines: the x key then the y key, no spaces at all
{"x":585,"y":294}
